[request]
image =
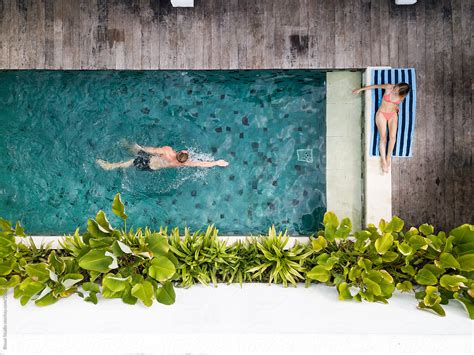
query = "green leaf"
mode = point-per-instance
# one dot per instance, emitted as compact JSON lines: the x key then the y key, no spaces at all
{"x":118,"y":207}
{"x":408,"y":269}
{"x":127,"y":296}
{"x":467,"y":303}
{"x":144,"y":292}
{"x":115,"y":283}
{"x":362,"y":235}
{"x":6,"y":266}
{"x":91,"y":298}
{"x":354,"y":273}
{"x":30,"y":287}
{"x":390,"y":256}
{"x":19,"y":231}
{"x":161,"y":269}
{"x":157,"y":244}
{"x":12,"y":282}
{"x":95,"y":231}
{"x":165,"y":294}
{"x":319,"y":273}
{"x":383,"y":243}
{"x":465,"y":248}
{"x":96,"y":260}
{"x":405,"y":249}
{"x":56,"y":263}
{"x":70,"y":280}
{"x":330,"y":218}
{"x":343,"y":232}
{"x":330,"y":231}
{"x":384,"y":282}
{"x":372,"y":286}
{"x":38,"y":272}
{"x":447,"y":260}
{"x":405,"y":286}
{"x":434,"y":269}
{"x":436,"y":309}
{"x":91,"y":286}
{"x":452,"y":282}
{"x":5,"y":225}
{"x":432,"y":296}
{"x":346,"y":222}
{"x":344,"y":229}
{"x":344,"y":293}
{"x":364,"y":263}
{"x":319,"y":243}
{"x":396,"y":224}
{"x":7,"y":244}
{"x":121,"y":248}
{"x":448,"y":246}
{"x":326,"y":261}
{"x":466,"y":262}
{"x":463,"y":234}
{"x":426,"y":277}
{"x":426,"y":229}
{"x":102,"y":222}
{"x":435,"y":242}
{"x":417,"y":242}
{"x":411,"y":232}
{"x":47,"y":300}
{"x":384,"y":227}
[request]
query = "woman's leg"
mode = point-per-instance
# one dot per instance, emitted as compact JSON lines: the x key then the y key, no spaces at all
{"x":392,"y":132}
{"x":382,"y":128}
{"x":109,"y":166}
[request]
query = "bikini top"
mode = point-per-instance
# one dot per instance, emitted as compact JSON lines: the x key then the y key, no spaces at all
{"x":388,"y":99}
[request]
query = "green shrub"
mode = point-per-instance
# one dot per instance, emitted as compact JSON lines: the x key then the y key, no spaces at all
{"x":144,"y":265}
{"x":131,"y":265}
{"x":378,"y":260}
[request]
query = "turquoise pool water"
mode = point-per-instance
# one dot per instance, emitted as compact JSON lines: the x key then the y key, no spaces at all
{"x":55,"y":124}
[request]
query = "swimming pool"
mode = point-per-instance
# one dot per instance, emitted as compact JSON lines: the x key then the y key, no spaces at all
{"x":55,"y":124}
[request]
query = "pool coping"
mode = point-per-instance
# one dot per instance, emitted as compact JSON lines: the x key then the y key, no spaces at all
{"x":377,"y":186}
{"x":38,"y":240}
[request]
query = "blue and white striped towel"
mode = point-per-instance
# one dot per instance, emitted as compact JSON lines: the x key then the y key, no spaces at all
{"x":406,"y":115}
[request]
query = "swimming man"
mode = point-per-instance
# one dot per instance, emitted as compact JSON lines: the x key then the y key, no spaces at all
{"x":153,"y":158}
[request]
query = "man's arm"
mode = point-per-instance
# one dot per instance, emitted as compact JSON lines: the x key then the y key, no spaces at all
{"x":206,"y":164}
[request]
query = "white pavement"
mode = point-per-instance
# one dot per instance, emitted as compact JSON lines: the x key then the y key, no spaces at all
{"x":256,"y":318}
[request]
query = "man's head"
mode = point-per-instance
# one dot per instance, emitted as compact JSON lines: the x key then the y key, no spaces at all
{"x":182,"y":156}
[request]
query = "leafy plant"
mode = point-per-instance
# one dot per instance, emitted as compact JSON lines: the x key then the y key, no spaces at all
{"x":369,"y":264}
{"x":201,"y":257}
{"x":380,"y":259}
{"x":131,"y":265}
{"x":276,"y":263}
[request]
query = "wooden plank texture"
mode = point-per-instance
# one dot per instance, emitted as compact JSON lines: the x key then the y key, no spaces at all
{"x":434,"y":36}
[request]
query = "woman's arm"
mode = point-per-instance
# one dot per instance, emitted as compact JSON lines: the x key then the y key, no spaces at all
{"x":206,"y":164}
{"x":370,"y":87}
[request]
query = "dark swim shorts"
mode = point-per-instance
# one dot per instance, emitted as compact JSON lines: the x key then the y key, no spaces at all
{"x":142,"y":161}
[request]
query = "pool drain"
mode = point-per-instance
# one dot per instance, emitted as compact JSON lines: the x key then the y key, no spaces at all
{"x":305,"y":155}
